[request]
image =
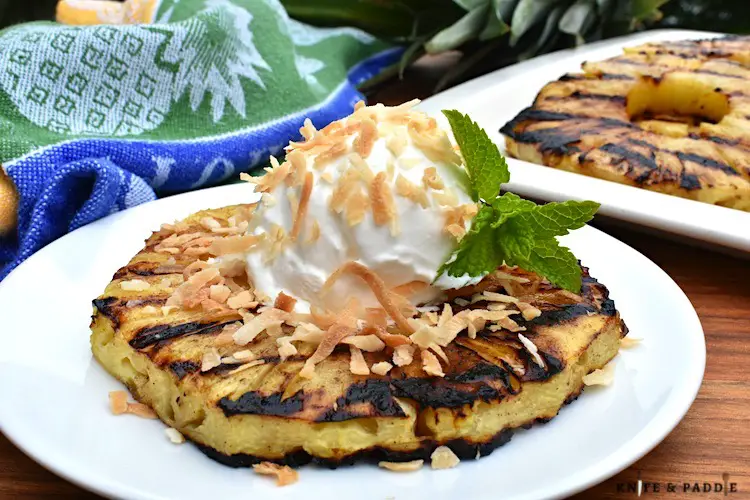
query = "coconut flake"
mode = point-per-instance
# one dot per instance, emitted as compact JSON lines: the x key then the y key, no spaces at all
{"x":402,"y":466}
{"x":602,"y":376}
{"x":443,"y":458}
{"x":367,"y":343}
{"x":531,"y":347}
{"x":174,"y":436}
{"x":357,"y":363}
{"x":381,"y":368}
{"x":210,"y":360}
{"x":118,"y":402}
{"x":285,"y":475}
{"x":627,"y":342}
{"x":135,"y":285}
{"x":431,"y":365}
{"x":403,"y":355}
{"x":256,"y":324}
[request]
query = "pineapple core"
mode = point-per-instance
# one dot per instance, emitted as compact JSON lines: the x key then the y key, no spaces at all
{"x":676,"y":97}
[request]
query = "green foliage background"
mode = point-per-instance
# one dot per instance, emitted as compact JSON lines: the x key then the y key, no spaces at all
{"x":489,"y":33}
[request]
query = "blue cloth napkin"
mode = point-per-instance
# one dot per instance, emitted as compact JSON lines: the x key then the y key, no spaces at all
{"x":98,"y":119}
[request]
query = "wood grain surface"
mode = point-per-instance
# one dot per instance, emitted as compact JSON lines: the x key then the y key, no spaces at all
{"x":711,"y":445}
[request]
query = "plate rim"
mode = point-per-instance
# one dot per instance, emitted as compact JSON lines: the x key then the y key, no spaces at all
{"x":657,"y":429}
{"x":630,"y":204}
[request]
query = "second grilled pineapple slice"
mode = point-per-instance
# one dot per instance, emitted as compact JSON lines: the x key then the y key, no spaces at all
{"x":672,"y":118}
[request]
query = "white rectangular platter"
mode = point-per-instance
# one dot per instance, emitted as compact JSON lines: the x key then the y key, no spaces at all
{"x":495,"y":98}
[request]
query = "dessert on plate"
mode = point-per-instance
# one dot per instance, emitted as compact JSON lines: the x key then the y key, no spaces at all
{"x":381,"y":301}
{"x":671,"y":117}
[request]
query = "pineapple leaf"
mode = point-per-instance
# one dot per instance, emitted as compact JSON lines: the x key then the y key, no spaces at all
{"x":504,"y":9}
{"x":469,"y":5}
{"x":643,"y":9}
{"x":527,"y":14}
{"x":578,"y":18}
{"x":494,"y":28}
{"x":549,"y":34}
{"x":411,"y":54}
{"x":465,"y":29}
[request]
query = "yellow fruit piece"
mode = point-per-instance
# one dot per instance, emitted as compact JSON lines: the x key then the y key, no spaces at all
{"x":8,"y":204}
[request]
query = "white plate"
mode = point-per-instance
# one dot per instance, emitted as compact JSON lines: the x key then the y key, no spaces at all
{"x":494,"y":99}
{"x":53,"y":395}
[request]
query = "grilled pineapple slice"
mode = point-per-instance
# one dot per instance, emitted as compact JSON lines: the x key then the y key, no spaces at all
{"x":672,"y":118}
{"x":240,"y":415}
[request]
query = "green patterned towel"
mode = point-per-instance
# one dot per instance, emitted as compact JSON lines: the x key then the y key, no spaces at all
{"x":98,"y":118}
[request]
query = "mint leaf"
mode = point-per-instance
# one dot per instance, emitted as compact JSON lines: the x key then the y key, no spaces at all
{"x":508,"y":229}
{"x":477,"y":251}
{"x":518,"y":232}
{"x":508,"y":205}
{"x":557,"y":219}
{"x":556,"y":263}
{"x":486,"y":166}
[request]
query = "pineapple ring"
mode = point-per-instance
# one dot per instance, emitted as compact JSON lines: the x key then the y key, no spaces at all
{"x":672,"y":118}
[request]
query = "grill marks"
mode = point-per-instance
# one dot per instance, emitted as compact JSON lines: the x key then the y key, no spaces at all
{"x":566,"y":128}
{"x":565,"y":140}
{"x":152,"y":335}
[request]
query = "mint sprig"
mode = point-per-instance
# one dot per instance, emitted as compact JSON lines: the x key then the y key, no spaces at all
{"x":508,"y":229}
{"x":484,"y":163}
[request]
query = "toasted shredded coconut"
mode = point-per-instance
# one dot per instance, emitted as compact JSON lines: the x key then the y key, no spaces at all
{"x":234,"y":244}
{"x":344,"y":326}
{"x":528,"y":311}
{"x":411,"y":191}
{"x":210,"y":223}
{"x":402,"y":466}
{"x":356,"y":207}
{"x":627,"y":342}
{"x":357,"y":364}
{"x":347,"y":183}
{"x":531,"y":347}
{"x":285,"y":475}
{"x":284,"y":302}
{"x":403,"y":355}
{"x":286,"y":348}
{"x":135,"y":285}
{"x":304,"y":201}
{"x":381,"y":368}
{"x":118,"y":402}
{"x":244,"y":355}
{"x":389,"y":339}
{"x":431,"y":179}
{"x":443,"y":458}
{"x":461,"y":302}
{"x":211,"y":359}
{"x":361,"y":167}
{"x":243,"y":300}
{"x":378,"y":288}
{"x":494,"y":297}
{"x":141,"y":410}
{"x":381,"y":199}
{"x":602,"y":376}
{"x":431,"y":365}
{"x":219,"y":293}
{"x":299,"y":166}
{"x":367,"y":343}
{"x":368,"y":134}
{"x":174,"y":435}
{"x":256,"y":324}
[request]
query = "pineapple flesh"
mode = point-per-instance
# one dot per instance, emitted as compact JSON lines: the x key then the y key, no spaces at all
{"x":670,"y":117}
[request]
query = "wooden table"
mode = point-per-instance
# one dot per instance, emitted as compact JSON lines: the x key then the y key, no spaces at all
{"x":713,"y":439}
